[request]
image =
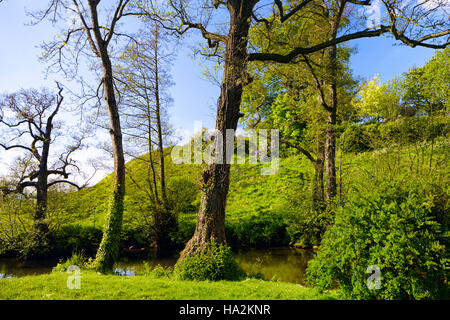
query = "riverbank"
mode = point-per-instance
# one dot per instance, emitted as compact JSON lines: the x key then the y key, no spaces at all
{"x":112,"y":287}
{"x":281,"y":263}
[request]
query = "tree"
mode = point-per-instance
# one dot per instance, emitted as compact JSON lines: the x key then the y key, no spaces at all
{"x":379,"y":102}
{"x":426,"y":88}
{"x":314,"y":74}
{"x":86,"y":34}
{"x":144,"y":82}
{"x":237,"y":54}
{"x":280,"y":97}
{"x":28,"y":121}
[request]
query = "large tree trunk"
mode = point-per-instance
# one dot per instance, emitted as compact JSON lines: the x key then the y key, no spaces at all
{"x":109,"y":246}
{"x":215,"y":179}
{"x":330,"y":147}
{"x":330,"y":144}
{"x":40,"y":224}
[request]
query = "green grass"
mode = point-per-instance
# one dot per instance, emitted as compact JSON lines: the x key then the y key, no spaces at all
{"x":258,"y":206}
{"x":110,"y":287}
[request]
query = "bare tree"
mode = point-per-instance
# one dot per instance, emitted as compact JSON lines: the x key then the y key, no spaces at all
{"x":144,"y":81}
{"x":28,"y":124}
{"x":84,"y":34}
{"x":423,"y":26}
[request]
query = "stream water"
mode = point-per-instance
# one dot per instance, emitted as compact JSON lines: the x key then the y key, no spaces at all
{"x":283,"y":264}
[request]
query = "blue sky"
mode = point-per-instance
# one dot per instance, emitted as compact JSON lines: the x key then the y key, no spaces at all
{"x":194,"y":96}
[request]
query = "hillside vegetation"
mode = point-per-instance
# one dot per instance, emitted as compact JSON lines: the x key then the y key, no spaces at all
{"x":262,"y":210}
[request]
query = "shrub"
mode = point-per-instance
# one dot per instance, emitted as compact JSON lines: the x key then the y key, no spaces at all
{"x":138,"y":236}
{"x":74,"y":238}
{"x":393,"y":228}
{"x":262,"y":229}
{"x":157,"y":272}
{"x":77,"y":259}
{"x":214,"y":262}
{"x":182,"y":194}
{"x":355,"y":139}
{"x":186,"y":228}
{"x":306,"y":222}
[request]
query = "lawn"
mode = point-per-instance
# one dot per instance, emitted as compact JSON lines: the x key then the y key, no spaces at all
{"x":111,"y":287}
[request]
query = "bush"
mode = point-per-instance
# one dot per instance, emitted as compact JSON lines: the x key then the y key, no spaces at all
{"x":77,"y":259}
{"x":157,"y":272}
{"x":360,"y":138}
{"x":186,"y":229}
{"x":214,"y":262}
{"x":182,"y":194}
{"x":138,"y":236}
{"x":393,"y":228}
{"x":306,"y":222}
{"x":263,"y":229}
{"x":75,"y":238}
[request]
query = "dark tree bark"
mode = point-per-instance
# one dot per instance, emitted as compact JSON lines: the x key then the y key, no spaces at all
{"x":215,"y":179}
{"x":330,"y":144}
{"x":40,"y":225}
{"x":109,"y":246}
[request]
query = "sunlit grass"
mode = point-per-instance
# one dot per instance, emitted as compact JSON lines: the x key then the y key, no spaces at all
{"x":98,"y":287}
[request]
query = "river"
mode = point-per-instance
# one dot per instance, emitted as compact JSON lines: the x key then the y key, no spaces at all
{"x":283,"y":264}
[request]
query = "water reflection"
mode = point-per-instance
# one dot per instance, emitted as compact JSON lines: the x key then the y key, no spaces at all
{"x":10,"y":267}
{"x":283,"y":264}
{"x":125,"y":272}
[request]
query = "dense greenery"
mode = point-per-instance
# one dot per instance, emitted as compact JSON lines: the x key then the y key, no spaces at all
{"x":396,"y":226}
{"x":390,"y":209}
{"x":215,"y":262}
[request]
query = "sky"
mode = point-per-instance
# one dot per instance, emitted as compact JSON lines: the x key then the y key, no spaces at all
{"x":194,"y":96}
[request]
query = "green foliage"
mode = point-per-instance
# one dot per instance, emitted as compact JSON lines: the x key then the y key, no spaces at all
{"x":306,"y":223}
{"x":157,"y":272}
{"x":427,"y":88}
{"x":404,"y":130}
{"x":109,"y":247}
{"x":213,"y":262}
{"x":379,"y":102}
{"x":394,"y":228}
{"x":77,"y":259}
{"x":261,"y":229}
{"x":75,"y":238}
{"x":182,"y":194}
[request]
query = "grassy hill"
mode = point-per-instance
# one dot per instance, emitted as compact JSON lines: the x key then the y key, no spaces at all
{"x":262,"y":210}
{"x":255,"y":201}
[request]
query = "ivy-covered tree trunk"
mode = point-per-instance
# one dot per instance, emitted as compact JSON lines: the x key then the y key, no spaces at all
{"x":215,"y":179}
{"x":109,"y":246}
